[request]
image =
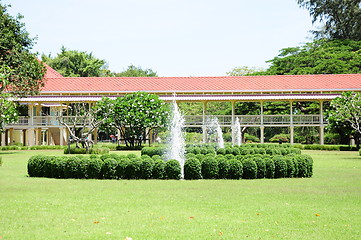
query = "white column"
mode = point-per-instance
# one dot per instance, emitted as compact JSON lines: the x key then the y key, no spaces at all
{"x":3,"y":140}
{"x":322,"y":126}
{"x":232,"y":122}
{"x":262,"y":126}
{"x":61,"y":136}
{"x":291,"y":123}
{"x":204,"y":122}
{"x":292,"y":135}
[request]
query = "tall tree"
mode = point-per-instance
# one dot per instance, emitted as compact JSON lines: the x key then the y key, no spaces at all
{"x":20,"y":71}
{"x":135,"y":115}
{"x":346,"y":113}
{"x":72,"y":63}
{"x":341,"y":18}
{"x":244,"y":71}
{"x":317,"y":57}
{"x":133,"y":71}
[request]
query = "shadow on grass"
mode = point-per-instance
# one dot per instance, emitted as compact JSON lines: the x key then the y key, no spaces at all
{"x":3,"y":153}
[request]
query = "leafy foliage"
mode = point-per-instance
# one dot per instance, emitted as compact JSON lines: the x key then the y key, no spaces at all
{"x":72,"y":63}
{"x":133,"y":71}
{"x":192,"y":169}
{"x":346,"y":113}
{"x":135,"y":115}
{"x":317,"y":57}
{"x":342,"y":18}
{"x":20,"y":71}
{"x":8,"y":112}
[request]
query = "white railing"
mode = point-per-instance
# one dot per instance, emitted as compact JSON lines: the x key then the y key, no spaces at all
{"x":191,"y":120}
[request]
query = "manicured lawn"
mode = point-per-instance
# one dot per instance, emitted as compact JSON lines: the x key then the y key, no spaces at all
{"x":326,"y":206}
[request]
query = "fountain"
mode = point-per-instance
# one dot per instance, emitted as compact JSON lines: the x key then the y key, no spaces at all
{"x":176,"y":147}
{"x":213,"y":127}
{"x":237,"y":132}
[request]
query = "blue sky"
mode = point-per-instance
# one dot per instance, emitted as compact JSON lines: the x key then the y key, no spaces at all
{"x":172,"y":37}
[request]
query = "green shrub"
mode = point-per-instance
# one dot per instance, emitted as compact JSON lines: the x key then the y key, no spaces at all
{"x":270,"y":168}
{"x":110,"y":155}
{"x":75,"y":150}
{"x":223,"y":167}
{"x":249,"y":169}
{"x":71,"y":169}
{"x":95,"y":166}
{"x":132,"y":169}
{"x":309,"y":162}
{"x":359,"y":152}
{"x":235,"y":170}
{"x":146,"y":168}
{"x":36,"y":166}
{"x":158,"y":169}
{"x":210,"y":168}
{"x":151,"y":151}
{"x":192,"y":169}
{"x":280,"y":167}
{"x":49,"y":161}
{"x":291,"y":170}
{"x":125,"y":148}
{"x":221,"y":151}
{"x":172,"y":169}
{"x":109,"y":168}
{"x":122,"y":167}
{"x":245,"y":150}
{"x":348,"y":148}
{"x":261,"y":167}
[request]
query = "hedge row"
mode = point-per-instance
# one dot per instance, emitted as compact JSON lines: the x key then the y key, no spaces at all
{"x":248,"y":167}
{"x":242,"y":150}
{"x":107,"y":166}
{"x":36,"y":147}
{"x":113,"y":166}
{"x":94,"y":150}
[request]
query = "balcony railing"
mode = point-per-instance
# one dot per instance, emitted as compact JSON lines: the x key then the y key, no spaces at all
{"x":192,"y":121}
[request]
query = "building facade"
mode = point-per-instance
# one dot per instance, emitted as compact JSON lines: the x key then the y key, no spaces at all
{"x":40,"y":122}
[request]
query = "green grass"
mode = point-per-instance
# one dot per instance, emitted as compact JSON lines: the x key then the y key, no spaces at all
{"x":326,"y":206}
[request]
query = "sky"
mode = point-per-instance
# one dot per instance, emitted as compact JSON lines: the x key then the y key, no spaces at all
{"x":171,"y":37}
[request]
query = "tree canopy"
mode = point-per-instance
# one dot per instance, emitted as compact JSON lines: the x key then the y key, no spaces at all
{"x":317,"y":57}
{"x":346,"y":114}
{"x":135,"y":115}
{"x":341,"y":18}
{"x":73,"y":63}
{"x":20,"y":71}
{"x":133,"y":71}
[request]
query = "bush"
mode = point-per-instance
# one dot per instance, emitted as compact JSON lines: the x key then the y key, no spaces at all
{"x":221,"y":151}
{"x":235,"y":169}
{"x":151,"y":151}
{"x":172,"y":169}
{"x":210,"y":168}
{"x":192,"y":169}
{"x":95,"y":166}
{"x":158,"y":169}
{"x":36,"y":166}
{"x":291,"y":170}
{"x":75,"y":150}
{"x":280,"y":167}
{"x":249,"y":169}
{"x":110,"y":155}
{"x":122,"y":167}
{"x":1,"y":161}
{"x":223,"y":167}
{"x":261,"y":167}
{"x":132,"y":169}
{"x":270,"y":168}
{"x":146,"y":168}
{"x":109,"y":168}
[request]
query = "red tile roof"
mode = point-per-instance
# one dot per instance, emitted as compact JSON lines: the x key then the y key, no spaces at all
{"x":55,"y":82}
{"x":50,"y":72}
{"x":280,"y":83}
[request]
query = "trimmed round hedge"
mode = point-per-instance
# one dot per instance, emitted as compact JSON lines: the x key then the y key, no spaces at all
{"x":224,"y":165}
